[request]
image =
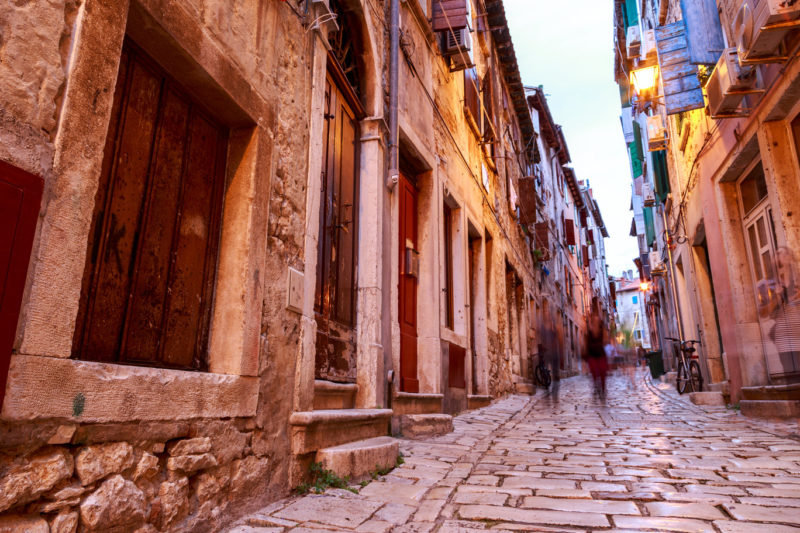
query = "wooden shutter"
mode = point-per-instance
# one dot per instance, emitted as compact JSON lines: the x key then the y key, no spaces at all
{"x":449,"y":15}
{"x":590,"y":236}
{"x":471,"y":95}
{"x":152,"y":258}
{"x":20,"y":197}
{"x":682,"y":91}
{"x":703,"y":31}
{"x":585,"y":255}
{"x":569,"y":226}
{"x":527,"y":199}
{"x":542,"y":236}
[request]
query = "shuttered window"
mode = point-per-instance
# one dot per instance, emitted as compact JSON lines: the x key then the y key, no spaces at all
{"x":661,"y":175}
{"x":569,"y":229}
{"x":152,"y":258}
{"x":449,"y":15}
{"x":472,"y":97}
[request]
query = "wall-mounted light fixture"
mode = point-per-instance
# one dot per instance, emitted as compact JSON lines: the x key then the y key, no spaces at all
{"x":645,"y":81}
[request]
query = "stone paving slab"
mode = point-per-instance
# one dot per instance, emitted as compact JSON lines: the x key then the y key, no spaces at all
{"x":646,"y":460}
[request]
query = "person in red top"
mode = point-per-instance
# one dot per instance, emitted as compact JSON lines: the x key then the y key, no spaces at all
{"x":596,"y":354}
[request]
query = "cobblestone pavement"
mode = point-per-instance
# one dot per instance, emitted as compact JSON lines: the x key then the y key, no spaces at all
{"x":645,"y":461}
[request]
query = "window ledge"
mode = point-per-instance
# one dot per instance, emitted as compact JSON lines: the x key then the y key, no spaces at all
{"x":82,"y":391}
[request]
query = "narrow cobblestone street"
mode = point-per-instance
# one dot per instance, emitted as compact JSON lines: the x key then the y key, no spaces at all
{"x":646,"y":461}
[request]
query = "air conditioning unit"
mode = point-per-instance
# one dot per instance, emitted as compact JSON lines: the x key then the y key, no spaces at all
{"x":656,"y":133}
{"x":728,"y":84}
{"x":457,"y":46}
{"x":648,"y":46}
{"x":634,"y":40}
{"x":760,"y":25}
{"x":648,"y":194}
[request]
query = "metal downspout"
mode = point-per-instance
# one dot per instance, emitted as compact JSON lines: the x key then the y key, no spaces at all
{"x":394,"y":75}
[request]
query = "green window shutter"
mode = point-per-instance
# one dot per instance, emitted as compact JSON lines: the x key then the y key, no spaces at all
{"x":636,"y":163}
{"x":631,"y":12}
{"x":661,"y":175}
{"x":637,"y":140}
{"x":649,"y":226}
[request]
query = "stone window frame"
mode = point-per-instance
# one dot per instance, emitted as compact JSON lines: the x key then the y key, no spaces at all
{"x":43,"y":381}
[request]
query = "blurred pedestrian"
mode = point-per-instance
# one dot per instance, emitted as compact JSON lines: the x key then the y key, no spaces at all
{"x":596,"y":354}
{"x":552,"y":350}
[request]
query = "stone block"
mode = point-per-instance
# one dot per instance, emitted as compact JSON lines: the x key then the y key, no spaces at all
{"x":63,"y":434}
{"x":117,"y":502}
{"x":99,"y":461}
{"x":65,"y":522}
{"x":189,"y":446}
{"x":173,"y":498}
{"x":707,"y":398}
{"x":191,"y":463}
{"x":141,"y":431}
{"x":314,"y":430}
{"x":356,"y":459}
{"x":146,"y":467}
{"x":476,"y":401}
{"x":23,"y":524}
{"x":408,"y":403}
{"x":23,"y":480}
{"x":771,"y":408}
{"x":328,"y":395}
{"x":427,"y":425}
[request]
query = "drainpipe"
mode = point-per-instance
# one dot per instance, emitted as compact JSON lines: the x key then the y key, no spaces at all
{"x":672,"y":281}
{"x":394,"y":67}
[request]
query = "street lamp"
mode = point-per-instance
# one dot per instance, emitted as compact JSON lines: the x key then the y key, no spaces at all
{"x":644,"y":81}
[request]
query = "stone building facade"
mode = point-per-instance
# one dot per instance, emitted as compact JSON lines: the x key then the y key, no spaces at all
{"x":723,"y":179}
{"x":227,"y":278}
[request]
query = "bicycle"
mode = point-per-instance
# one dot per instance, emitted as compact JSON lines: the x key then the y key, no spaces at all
{"x":689,"y":375}
{"x":542,"y":374}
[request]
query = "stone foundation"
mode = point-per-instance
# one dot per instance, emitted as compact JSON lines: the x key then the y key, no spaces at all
{"x":163,"y":477}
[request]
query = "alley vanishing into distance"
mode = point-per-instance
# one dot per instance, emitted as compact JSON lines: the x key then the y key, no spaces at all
{"x":646,"y":460}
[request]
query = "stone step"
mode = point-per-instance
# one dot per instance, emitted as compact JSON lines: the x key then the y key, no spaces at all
{"x":476,"y":401}
{"x":525,"y":387}
{"x":357,"y":459}
{"x":424,"y":425}
{"x":707,"y":398}
{"x":413,"y":403}
{"x":770,"y":408}
{"x":329,"y":395}
{"x":772,"y":392}
{"x":315,"y":430}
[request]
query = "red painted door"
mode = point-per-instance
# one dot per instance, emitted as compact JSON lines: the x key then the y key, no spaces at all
{"x":408,"y":286}
{"x":20,"y":196}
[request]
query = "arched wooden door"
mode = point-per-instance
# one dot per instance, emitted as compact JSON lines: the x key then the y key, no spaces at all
{"x":335,"y":303}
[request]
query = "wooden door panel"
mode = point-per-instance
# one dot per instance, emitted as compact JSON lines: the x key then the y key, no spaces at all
{"x":20,"y":198}
{"x":145,"y":322}
{"x":338,"y":241}
{"x":124,"y":205}
{"x":189,"y":269}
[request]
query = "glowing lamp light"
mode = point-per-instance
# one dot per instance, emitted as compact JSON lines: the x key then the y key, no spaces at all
{"x":644,"y":80}
{"x":644,"y":286}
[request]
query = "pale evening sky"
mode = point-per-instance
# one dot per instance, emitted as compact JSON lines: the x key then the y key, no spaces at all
{"x":568,"y":48}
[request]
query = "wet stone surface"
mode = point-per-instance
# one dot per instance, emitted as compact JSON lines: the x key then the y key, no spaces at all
{"x":646,"y":460}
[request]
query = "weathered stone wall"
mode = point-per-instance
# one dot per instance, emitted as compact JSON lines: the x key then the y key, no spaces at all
{"x":177,"y":474}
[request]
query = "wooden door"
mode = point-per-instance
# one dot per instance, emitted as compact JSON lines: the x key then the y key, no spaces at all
{"x":20,"y":196}
{"x":408,"y":286}
{"x":474,"y":256}
{"x":338,"y":238}
{"x":153,"y":244}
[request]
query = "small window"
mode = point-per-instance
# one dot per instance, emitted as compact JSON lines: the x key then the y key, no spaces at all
{"x":753,"y":188}
{"x":635,"y":299}
{"x":448,"y":266}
